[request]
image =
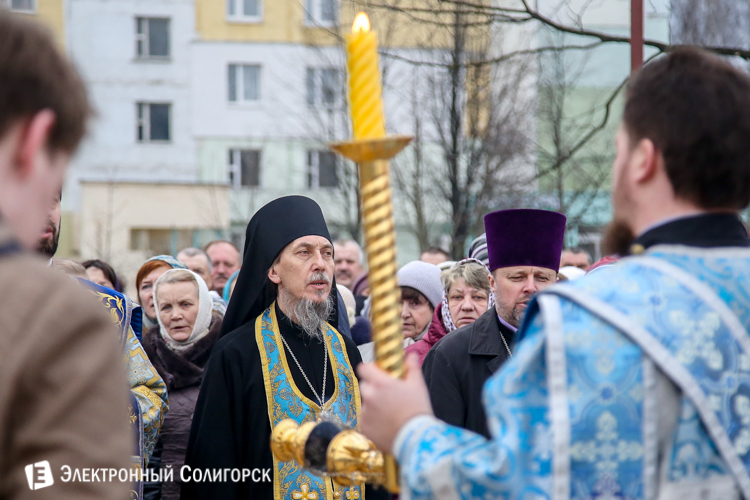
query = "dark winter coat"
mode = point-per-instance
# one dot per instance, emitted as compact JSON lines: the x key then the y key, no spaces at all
{"x":434,"y":334}
{"x":457,"y":367}
{"x":182,"y":372}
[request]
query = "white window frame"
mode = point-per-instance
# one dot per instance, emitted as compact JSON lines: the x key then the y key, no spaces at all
{"x":33,"y":10}
{"x":239,"y":16}
{"x":143,"y":119}
{"x":235,"y":168}
{"x":317,"y":87}
{"x":313,"y":170}
{"x":314,"y":13}
{"x":239,"y":75}
{"x":144,"y":39}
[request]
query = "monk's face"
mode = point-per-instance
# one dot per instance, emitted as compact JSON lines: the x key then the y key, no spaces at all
{"x":514,"y":287}
{"x":305,"y":268}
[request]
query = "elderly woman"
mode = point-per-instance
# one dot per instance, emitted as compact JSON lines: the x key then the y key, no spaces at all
{"x":421,"y":292}
{"x":147,"y":275}
{"x":467,"y":294}
{"x":179,"y":347}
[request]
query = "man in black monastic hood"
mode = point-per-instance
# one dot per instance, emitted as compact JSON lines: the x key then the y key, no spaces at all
{"x":280,"y":350}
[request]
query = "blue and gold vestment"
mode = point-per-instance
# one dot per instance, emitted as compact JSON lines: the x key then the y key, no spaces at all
{"x":148,"y":392}
{"x":292,"y":482}
{"x":631,"y":383}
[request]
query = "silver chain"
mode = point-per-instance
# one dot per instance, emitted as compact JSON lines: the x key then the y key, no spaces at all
{"x":510,"y":354}
{"x":322,"y":397}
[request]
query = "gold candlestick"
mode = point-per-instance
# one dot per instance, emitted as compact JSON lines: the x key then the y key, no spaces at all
{"x":372,"y":156}
{"x":380,"y":244}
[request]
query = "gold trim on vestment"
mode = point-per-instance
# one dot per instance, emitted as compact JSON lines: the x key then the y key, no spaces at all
{"x":329,"y":486}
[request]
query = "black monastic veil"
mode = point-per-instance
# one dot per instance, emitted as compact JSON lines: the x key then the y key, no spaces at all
{"x":271,"y":229}
{"x":231,"y":427}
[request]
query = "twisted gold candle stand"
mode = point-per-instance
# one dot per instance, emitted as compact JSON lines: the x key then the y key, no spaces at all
{"x":349,"y":456}
{"x":380,"y":244}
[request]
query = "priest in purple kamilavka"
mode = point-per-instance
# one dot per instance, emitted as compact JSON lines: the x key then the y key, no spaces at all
{"x":524,"y":254}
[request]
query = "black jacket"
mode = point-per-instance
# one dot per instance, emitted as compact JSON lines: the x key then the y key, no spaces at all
{"x":457,"y":367}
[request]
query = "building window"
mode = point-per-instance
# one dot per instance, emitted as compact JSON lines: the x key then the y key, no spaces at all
{"x":321,"y":12}
{"x":323,"y":86}
{"x":244,"y":83}
{"x":151,"y":37}
{"x":322,"y":170}
{"x":153,"y":122}
{"x":170,"y":241}
{"x":244,"y":168}
{"x":244,"y":10}
{"x":21,"y":5}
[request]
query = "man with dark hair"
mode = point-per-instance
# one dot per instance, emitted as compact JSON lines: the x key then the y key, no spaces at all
{"x":434,"y":255}
{"x":64,"y":398}
{"x":225,"y":260}
{"x":50,"y":237}
{"x":576,"y":257}
{"x":148,"y":403}
{"x":635,"y":381}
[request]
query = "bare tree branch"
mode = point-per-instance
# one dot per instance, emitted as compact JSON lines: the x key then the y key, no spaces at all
{"x":588,"y":136}
{"x":533,"y":15}
{"x":494,"y":60}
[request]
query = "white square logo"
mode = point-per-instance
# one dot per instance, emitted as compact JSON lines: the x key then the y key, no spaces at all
{"x":39,"y":475}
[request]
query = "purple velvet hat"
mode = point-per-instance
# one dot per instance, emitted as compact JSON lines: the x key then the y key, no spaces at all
{"x":524,"y":237}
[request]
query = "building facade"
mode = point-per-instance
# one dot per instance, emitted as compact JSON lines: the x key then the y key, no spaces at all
{"x":237,"y":100}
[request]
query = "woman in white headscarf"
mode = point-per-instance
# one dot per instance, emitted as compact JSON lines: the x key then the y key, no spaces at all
{"x":179,"y":347}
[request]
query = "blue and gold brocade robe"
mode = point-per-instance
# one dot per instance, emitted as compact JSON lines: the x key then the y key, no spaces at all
{"x":286,"y":401}
{"x":146,"y":385}
{"x":631,"y":383}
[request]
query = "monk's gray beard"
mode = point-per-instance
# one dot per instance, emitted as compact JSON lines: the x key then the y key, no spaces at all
{"x":306,"y":313}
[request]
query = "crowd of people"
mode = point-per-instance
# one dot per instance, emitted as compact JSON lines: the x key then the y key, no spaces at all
{"x":184,"y":299}
{"x":531,"y":370}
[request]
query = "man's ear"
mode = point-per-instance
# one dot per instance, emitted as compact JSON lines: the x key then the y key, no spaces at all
{"x":492,"y":281}
{"x":646,"y":159}
{"x":34,"y":136}
{"x":273,"y":275}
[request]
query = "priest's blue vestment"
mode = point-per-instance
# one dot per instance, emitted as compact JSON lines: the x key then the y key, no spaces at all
{"x":630,"y":383}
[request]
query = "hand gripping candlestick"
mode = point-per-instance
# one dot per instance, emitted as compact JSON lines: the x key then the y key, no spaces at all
{"x":344,"y":454}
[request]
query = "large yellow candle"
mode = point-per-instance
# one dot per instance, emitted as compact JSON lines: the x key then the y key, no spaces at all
{"x":365,"y":90}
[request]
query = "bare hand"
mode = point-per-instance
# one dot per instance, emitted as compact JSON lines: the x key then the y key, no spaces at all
{"x":389,"y":403}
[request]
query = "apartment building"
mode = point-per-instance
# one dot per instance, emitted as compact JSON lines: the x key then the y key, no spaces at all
{"x":208,"y":109}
